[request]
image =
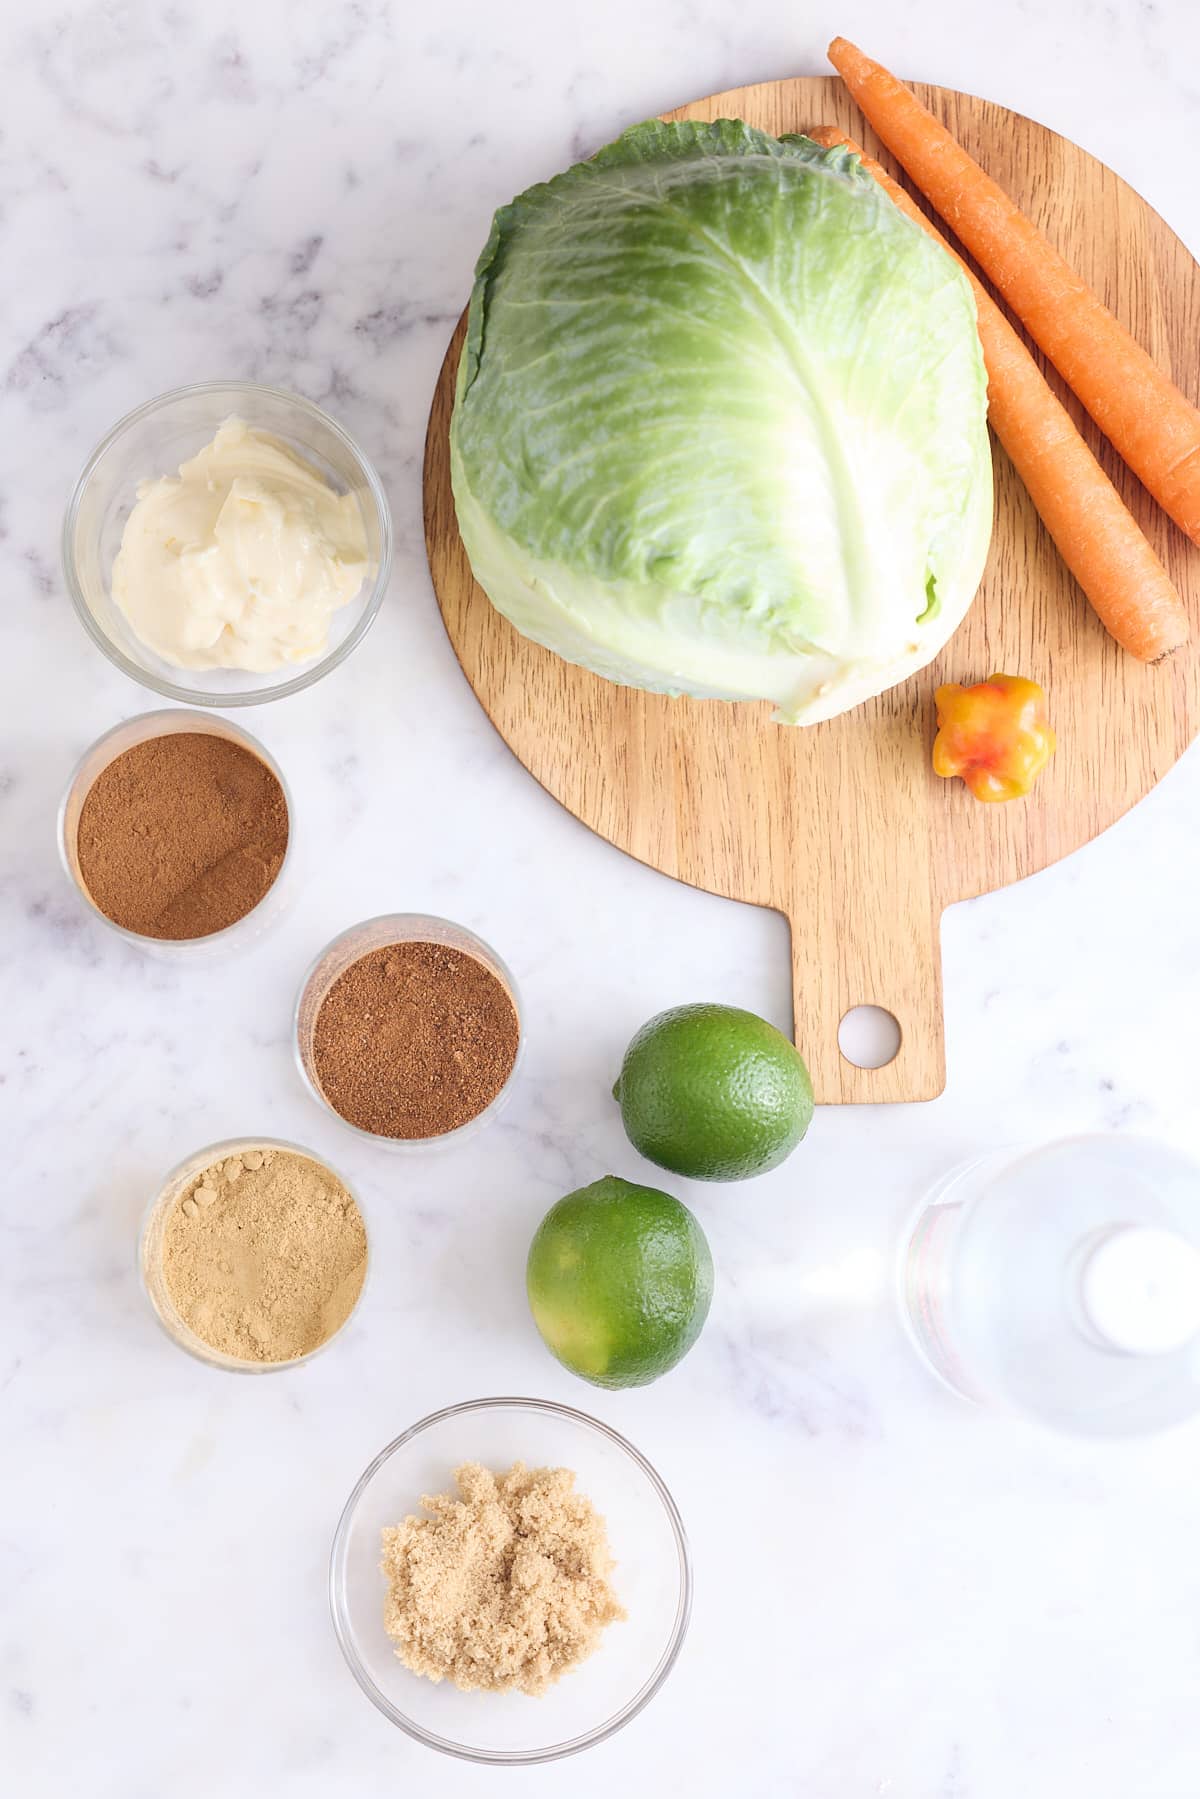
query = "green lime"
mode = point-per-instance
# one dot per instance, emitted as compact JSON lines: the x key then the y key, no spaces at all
{"x":619,"y":1279}
{"x":714,"y":1093}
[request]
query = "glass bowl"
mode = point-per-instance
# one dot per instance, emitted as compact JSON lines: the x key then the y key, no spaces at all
{"x":379,"y":933}
{"x":153,"y":441}
{"x":243,"y":931}
{"x":652,"y":1579}
{"x":150,"y":1268}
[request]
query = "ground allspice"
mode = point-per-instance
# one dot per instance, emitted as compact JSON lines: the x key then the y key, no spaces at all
{"x":182,"y":835}
{"x":414,"y":1039}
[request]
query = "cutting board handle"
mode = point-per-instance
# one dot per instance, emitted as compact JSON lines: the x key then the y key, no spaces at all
{"x":864,"y":915}
{"x":897,"y":969}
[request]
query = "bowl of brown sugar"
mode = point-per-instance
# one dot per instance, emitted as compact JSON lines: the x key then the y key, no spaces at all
{"x":176,"y":830}
{"x":408,"y":1029}
{"x":531,"y":1616}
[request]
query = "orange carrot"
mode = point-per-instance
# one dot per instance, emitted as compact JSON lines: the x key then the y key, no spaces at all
{"x":1155,"y":429}
{"x":1097,"y":537}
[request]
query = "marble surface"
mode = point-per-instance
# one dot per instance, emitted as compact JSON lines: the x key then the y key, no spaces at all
{"x":896,"y":1597}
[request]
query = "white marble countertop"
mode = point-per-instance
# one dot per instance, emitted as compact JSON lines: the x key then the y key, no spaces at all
{"x":895,"y":1596}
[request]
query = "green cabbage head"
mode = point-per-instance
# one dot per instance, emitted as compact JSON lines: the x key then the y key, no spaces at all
{"x":720,"y":425}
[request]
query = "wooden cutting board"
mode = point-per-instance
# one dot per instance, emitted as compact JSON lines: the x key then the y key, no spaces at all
{"x":842,"y":826}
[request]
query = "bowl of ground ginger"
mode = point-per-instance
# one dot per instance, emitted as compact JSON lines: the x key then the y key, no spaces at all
{"x":253,"y":1255}
{"x":510,"y":1581}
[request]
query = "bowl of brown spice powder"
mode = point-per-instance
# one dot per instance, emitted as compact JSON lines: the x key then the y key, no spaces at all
{"x":253,"y":1255}
{"x":176,"y":831}
{"x":408,"y":1029}
{"x":510,"y":1581}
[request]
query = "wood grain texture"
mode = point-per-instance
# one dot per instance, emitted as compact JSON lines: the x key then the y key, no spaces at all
{"x":843,"y":826}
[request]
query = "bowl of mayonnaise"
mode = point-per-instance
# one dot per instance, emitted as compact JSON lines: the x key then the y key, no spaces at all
{"x":227,"y":544}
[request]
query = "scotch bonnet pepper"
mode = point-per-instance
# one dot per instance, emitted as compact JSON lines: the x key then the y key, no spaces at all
{"x":996,"y":735}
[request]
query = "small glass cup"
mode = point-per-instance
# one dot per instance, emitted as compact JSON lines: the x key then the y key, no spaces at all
{"x":652,"y":1579}
{"x":106,"y":749}
{"x":150,"y":1265}
{"x":381,"y":933}
{"x":151,"y":442}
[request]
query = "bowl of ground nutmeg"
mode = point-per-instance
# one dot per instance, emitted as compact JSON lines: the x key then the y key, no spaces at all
{"x":510,"y":1581}
{"x":408,"y":1029}
{"x":253,"y":1255}
{"x":176,"y":830}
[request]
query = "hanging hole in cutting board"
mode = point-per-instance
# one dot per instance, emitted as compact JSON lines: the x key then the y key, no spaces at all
{"x":869,"y":1037}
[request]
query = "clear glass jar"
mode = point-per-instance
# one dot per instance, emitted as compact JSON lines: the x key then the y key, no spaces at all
{"x":150,"y":1254}
{"x":153,"y":441}
{"x":381,"y":933}
{"x":243,"y":931}
{"x":1064,"y":1283}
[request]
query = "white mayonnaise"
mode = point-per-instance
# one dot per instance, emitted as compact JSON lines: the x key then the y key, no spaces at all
{"x":241,"y":559}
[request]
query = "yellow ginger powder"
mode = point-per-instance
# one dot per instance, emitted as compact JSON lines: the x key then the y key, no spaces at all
{"x":264,"y":1255}
{"x":503,"y":1588}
